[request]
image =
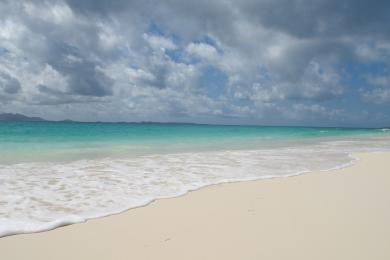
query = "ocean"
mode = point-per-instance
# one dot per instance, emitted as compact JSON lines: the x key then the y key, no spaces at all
{"x":58,"y":173}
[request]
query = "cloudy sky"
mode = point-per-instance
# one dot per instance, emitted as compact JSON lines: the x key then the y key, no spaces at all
{"x":284,"y":62}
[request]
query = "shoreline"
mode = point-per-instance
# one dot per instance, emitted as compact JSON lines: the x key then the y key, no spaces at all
{"x":353,"y":159}
{"x":205,"y":200}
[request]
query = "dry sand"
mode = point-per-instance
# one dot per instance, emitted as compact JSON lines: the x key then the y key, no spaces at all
{"x":342,"y":214}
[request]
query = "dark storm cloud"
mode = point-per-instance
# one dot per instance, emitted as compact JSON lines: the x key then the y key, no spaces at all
{"x":84,"y":76}
{"x":102,"y":7}
{"x":8,"y":84}
{"x":326,"y":18}
{"x":49,"y":91}
{"x":52,"y":96}
{"x":67,"y":46}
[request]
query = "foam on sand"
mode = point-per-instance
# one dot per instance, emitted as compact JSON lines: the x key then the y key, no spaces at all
{"x":44,"y":195}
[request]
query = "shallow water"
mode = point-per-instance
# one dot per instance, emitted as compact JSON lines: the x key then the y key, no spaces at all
{"x":52,"y":174}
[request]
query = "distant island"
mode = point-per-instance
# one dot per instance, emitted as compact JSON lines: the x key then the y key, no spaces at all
{"x":15,"y":117}
{"x":19,"y":117}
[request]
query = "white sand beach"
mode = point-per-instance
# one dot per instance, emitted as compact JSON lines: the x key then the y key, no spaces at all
{"x":341,"y":214}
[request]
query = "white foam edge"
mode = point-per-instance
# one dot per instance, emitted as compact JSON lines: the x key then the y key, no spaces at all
{"x":74,"y":219}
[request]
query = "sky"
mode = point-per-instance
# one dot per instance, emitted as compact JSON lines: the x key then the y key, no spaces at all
{"x":269,"y":62}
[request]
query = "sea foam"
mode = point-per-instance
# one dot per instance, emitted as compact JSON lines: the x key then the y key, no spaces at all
{"x":40,"y":196}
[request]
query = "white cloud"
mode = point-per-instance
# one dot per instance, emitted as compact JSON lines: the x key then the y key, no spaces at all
{"x":378,"y":91}
{"x":377,"y":95}
{"x":58,"y":13}
{"x":203,"y":50}
{"x":379,"y":81}
{"x":159,"y":42}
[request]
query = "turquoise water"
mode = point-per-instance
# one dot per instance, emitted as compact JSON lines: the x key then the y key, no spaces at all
{"x":55,"y":174}
{"x":32,"y":141}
